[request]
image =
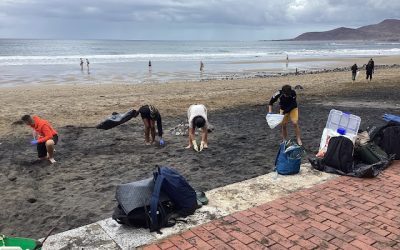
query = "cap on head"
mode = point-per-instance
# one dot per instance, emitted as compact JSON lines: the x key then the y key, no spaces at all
{"x":199,"y":122}
{"x":286,"y":89}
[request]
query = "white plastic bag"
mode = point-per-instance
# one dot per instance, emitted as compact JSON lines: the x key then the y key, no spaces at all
{"x":274,"y":120}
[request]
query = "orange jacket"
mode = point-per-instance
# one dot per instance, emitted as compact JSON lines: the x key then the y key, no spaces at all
{"x":43,"y":128}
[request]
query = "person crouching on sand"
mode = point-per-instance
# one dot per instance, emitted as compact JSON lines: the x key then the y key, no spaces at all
{"x":150,"y":115}
{"x":45,"y":137}
{"x":288,"y":107}
{"x":197,"y":118}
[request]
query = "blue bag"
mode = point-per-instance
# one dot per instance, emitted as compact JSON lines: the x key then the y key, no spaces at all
{"x":178,"y":190}
{"x":286,"y":165}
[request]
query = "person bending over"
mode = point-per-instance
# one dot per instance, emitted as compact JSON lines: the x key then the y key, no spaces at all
{"x":150,"y":115}
{"x":45,"y":137}
{"x":197,"y":118}
{"x":288,"y":107}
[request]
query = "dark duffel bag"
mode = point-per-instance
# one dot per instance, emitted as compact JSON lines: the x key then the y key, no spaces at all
{"x":370,"y":153}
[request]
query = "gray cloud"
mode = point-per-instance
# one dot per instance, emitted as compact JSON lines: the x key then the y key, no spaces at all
{"x":279,"y":17}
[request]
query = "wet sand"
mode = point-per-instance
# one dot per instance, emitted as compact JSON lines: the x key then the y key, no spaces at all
{"x":81,"y":185}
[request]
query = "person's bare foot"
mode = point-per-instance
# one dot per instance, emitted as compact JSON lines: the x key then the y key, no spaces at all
{"x":188,"y":147}
{"x":52,"y":161}
{"x":147,"y":143}
{"x":299,"y":142}
{"x":203,"y":145}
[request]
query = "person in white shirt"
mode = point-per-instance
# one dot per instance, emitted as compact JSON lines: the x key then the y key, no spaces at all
{"x":197,"y":118}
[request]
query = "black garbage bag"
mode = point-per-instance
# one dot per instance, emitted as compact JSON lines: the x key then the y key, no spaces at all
{"x":387,"y":137}
{"x":116,"y":119}
{"x":360,"y":169}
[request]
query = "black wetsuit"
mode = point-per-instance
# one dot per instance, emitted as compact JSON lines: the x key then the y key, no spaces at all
{"x":370,"y":69}
{"x":151,"y":113}
{"x":287,"y":103}
{"x":354,"y":68}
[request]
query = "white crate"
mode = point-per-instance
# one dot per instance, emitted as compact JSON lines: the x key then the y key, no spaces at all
{"x":338,"y":119}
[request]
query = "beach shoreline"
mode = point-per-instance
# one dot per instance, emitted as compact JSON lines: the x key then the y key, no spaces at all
{"x":92,"y":162}
{"x":120,"y":73}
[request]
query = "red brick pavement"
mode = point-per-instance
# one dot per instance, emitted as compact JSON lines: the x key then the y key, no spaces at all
{"x":342,"y":213}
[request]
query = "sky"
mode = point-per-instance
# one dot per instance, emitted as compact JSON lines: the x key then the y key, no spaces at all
{"x":186,"y":19}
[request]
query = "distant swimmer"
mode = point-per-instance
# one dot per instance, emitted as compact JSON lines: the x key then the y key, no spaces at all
{"x":288,"y":107}
{"x":81,"y":64}
{"x":354,"y":70}
{"x":150,"y":115}
{"x":201,"y":66}
{"x":197,"y":118}
{"x":149,"y":65}
{"x":87,"y":64}
{"x":44,"y":136}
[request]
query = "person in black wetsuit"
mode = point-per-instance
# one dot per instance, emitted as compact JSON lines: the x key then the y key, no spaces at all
{"x":150,"y":115}
{"x":370,"y":69}
{"x":354,"y":69}
{"x":288,"y":107}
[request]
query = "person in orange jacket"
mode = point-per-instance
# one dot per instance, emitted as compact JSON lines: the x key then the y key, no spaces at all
{"x":45,"y":137}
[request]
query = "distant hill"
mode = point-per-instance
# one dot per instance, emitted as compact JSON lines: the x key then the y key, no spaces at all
{"x":387,"y":30}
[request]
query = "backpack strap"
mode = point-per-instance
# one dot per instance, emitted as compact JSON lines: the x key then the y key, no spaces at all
{"x":277,"y":155}
{"x":155,"y":197}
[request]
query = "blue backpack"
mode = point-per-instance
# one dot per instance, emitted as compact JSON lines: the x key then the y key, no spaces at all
{"x":174,"y":185}
{"x":284,"y":164}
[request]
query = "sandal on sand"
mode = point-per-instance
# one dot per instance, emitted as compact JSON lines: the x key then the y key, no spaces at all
{"x":201,"y":199}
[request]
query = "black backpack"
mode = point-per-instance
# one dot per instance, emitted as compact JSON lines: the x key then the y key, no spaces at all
{"x":134,"y":206}
{"x":339,"y":154}
{"x":174,"y":185}
{"x":156,"y":202}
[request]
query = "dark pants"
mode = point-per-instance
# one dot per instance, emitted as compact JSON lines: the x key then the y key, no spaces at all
{"x":369,"y":75}
{"x":41,"y":147}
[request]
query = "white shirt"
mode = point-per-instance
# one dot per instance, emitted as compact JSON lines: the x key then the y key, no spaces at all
{"x":196,"y":110}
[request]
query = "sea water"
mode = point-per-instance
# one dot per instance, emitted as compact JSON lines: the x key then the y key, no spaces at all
{"x":24,"y":61}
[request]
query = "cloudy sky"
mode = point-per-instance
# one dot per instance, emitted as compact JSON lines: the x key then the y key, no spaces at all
{"x":185,"y":19}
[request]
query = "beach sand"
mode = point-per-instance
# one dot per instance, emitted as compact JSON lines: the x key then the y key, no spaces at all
{"x":81,"y":185}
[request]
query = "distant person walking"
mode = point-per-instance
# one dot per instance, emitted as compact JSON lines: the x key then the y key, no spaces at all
{"x":149,"y":65}
{"x":354,"y":70}
{"x":201,"y":66}
{"x":81,"y":64}
{"x":287,"y":60}
{"x":370,"y":69}
{"x":373,"y":65}
{"x":288,"y":107}
{"x":87,"y":64}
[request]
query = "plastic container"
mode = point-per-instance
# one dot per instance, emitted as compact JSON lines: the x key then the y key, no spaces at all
{"x":343,"y":121}
{"x":22,"y":243}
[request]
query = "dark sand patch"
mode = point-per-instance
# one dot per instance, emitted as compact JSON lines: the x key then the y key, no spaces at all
{"x":92,"y":162}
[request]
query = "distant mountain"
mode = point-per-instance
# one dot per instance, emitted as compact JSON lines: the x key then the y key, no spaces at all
{"x":387,"y":30}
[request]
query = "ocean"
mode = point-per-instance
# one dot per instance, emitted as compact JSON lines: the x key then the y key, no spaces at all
{"x":24,"y":61}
